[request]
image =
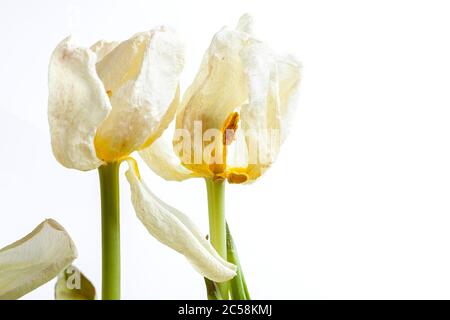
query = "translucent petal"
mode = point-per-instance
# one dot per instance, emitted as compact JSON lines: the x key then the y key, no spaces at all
{"x":219,"y":86}
{"x":175,"y":230}
{"x":161,"y":158}
{"x":273,"y":84}
{"x":77,"y":104}
{"x":217,"y":90}
{"x":245,"y":24}
{"x":141,"y":76}
{"x":239,"y":73}
{"x":289,"y":77}
{"x":35,"y":259}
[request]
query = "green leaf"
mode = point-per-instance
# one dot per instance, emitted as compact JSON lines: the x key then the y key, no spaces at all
{"x":238,"y":286}
{"x":73,"y":285}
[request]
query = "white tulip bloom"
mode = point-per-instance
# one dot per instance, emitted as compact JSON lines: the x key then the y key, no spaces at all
{"x":35,"y":259}
{"x":242,"y":85}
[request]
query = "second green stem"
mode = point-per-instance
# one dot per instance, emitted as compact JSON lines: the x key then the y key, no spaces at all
{"x":217,"y":223}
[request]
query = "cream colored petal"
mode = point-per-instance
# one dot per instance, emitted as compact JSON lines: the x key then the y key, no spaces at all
{"x":77,"y":104}
{"x":261,"y":117}
{"x":273,"y":84}
{"x":101,"y":48}
{"x":241,"y":74}
{"x":245,"y":24}
{"x":175,"y":230}
{"x":289,"y":77}
{"x":219,"y":87}
{"x":216,"y":92}
{"x":141,"y":76}
{"x":35,"y":259}
{"x":161,"y":158}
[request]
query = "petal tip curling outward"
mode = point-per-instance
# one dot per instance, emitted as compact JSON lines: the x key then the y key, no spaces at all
{"x":176,"y":230}
{"x":77,"y":104}
{"x":101,"y":48}
{"x":35,"y":259}
{"x":245,"y":24}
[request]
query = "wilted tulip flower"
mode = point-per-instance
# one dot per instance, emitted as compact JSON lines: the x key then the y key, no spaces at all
{"x":106,"y":102}
{"x":35,"y":259}
{"x":113,"y":98}
{"x":232,"y":120}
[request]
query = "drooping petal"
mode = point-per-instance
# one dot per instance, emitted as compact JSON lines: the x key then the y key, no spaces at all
{"x":161,"y":158}
{"x":141,"y":76}
{"x":35,"y":259}
{"x":77,"y":104}
{"x":175,"y":230}
{"x":72,"y":284}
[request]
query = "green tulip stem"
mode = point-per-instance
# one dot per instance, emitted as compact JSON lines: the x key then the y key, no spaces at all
{"x":217,"y":223}
{"x":109,"y":189}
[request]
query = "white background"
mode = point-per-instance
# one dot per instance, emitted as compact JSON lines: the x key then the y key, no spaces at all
{"x":358,"y":203}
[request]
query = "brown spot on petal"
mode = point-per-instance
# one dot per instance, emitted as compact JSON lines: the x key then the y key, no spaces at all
{"x":237,"y":177}
{"x":217,"y":168}
{"x":109,"y":93}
